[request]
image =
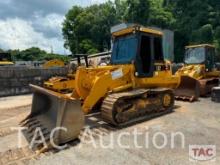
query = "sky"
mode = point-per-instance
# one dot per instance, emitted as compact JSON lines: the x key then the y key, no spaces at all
{"x":29,"y":23}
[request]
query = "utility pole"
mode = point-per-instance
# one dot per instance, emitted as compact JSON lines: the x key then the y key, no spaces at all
{"x":51,"y":49}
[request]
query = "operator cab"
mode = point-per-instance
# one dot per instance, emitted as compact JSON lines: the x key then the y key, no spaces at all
{"x":139,"y":45}
{"x":200,"y":54}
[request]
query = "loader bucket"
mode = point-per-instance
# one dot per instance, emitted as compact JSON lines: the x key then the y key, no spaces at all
{"x":188,"y":89}
{"x":52,"y":110}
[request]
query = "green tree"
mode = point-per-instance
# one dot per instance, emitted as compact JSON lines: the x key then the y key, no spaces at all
{"x":202,"y":35}
{"x":120,"y":7}
{"x":87,"y":30}
{"x":217,"y":35}
{"x":31,"y":54}
{"x":217,"y":42}
{"x":35,"y":54}
{"x":160,"y":15}
{"x":194,"y":23}
{"x":69,"y":29}
{"x":138,"y":11}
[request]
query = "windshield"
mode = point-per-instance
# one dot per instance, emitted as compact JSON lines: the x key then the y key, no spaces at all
{"x":195,"y":55}
{"x":124,"y":49}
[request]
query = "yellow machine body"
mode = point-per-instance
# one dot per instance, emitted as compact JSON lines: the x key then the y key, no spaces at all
{"x":53,"y":64}
{"x":137,"y":82}
{"x":60,"y":84}
{"x":93,"y":84}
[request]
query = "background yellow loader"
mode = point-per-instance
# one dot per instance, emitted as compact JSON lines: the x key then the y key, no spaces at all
{"x":135,"y":86}
{"x":53,"y":64}
{"x":5,"y":59}
{"x":199,"y":72}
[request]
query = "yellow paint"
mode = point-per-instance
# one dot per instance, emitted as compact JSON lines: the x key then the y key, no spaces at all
{"x":53,"y":63}
{"x":133,"y":29}
{"x":194,"y":71}
{"x":200,"y":45}
{"x":6,"y":63}
{"x":122,"y":88}
{"x":197,"y":71}
{"x":167,"y":100}
{"x":152,"y":31}
{"x":60,"y":85}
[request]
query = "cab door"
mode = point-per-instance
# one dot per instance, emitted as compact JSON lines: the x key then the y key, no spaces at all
{"x":145,"y":60}
{"x":210,"y":55}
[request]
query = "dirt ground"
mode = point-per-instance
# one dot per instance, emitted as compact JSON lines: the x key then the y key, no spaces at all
{"x":196,"y":124}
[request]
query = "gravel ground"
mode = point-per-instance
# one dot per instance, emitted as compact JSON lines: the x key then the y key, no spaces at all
{"x":15,"y":101}
{"x":197,"y":122}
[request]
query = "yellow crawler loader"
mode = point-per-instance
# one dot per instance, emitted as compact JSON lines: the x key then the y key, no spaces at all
{"x":198,"y":75}
{"x":6,"y":59}
{"x":137,"y":85}
{"x":53,"y":64}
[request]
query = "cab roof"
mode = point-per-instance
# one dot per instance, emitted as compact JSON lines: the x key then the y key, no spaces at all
{"x":136,"y":28}
{"x":200,"y":45}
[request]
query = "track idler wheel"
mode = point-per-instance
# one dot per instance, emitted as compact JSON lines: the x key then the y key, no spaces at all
{"x":167,"y":100}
